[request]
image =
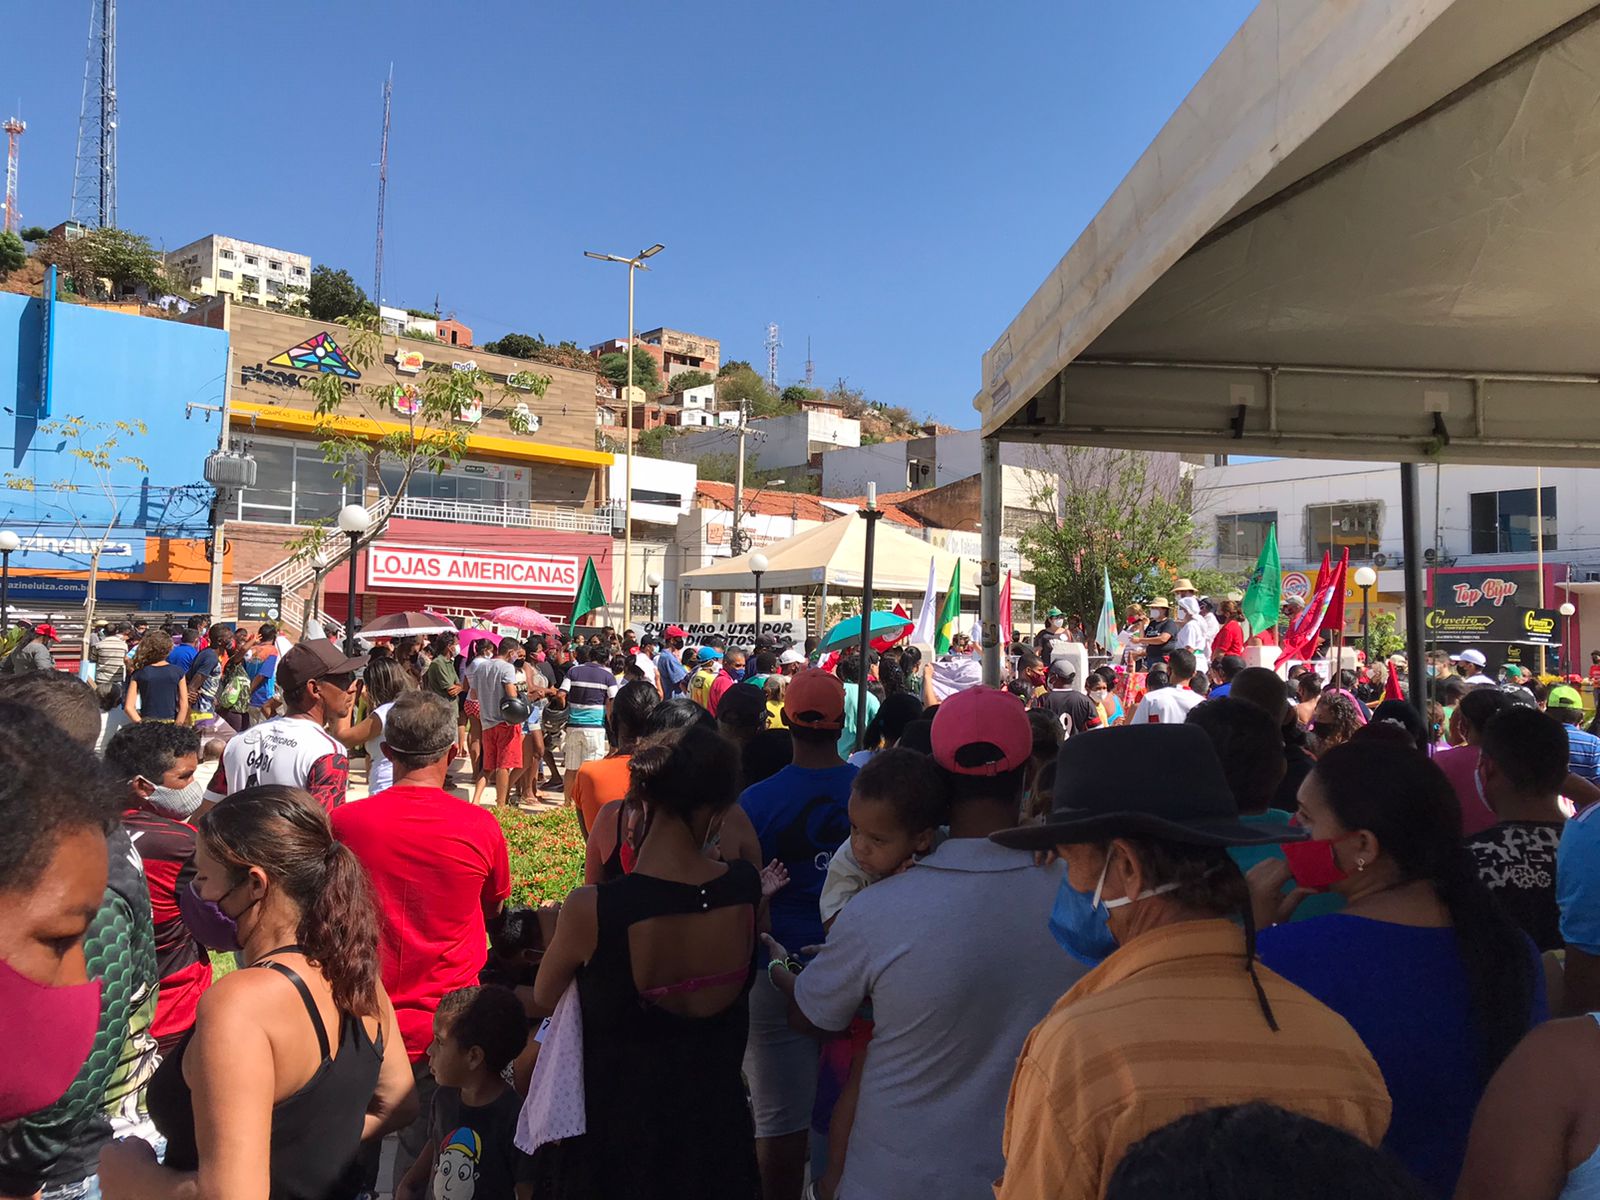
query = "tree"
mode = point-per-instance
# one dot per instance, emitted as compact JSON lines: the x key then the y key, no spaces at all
{"x":94,"y":449}
{"x":35,"y":233}
{"x":1106,"y":510}
{"x":12,"y":253}
{"x":646,"y":376}
{"x":333,"y":296}
{"x":427,"y":406}
{"x":516,"y":345}
{"x":732,"y":365}
{"x":797,"y":394}
{"x":122,"y":257}
{"x":684,"y":380}
{"x":743,"y":386}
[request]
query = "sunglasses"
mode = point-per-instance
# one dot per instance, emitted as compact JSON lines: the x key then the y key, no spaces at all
{"x":344,"y":681}
{"x":1323,"y":727}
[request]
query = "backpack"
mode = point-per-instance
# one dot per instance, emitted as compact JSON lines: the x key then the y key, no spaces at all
{"x":235,"y":691}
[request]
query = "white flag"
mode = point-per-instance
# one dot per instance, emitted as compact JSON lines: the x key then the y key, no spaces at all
{"x":922,"y":633}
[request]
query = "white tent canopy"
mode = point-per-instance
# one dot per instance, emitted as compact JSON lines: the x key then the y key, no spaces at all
{"x":1371,"y":231}
{"x":831,"y":556}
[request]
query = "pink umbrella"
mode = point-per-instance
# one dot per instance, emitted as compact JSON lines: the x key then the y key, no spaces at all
{"x":468,"y":636}
{"x":522,"y":618}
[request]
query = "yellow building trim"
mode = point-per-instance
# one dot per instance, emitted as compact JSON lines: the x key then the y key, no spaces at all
{"x":299,"y":420}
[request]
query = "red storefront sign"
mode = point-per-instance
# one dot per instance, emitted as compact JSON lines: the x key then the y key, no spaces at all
{"x":431,"y":568}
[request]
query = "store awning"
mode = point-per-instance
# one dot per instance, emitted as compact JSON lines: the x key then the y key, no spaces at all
{"x":831,"y":556}
{"x":1369,"y":232}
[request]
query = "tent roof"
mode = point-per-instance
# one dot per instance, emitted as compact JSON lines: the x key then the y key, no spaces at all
{"x":834,"y":553}
{"x":1367,"y":233}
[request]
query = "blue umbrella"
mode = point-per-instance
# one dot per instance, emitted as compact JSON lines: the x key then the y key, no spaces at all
{"x":848,"y":631}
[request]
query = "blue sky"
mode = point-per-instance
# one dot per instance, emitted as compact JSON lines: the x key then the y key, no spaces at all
{"x":890,"y":179}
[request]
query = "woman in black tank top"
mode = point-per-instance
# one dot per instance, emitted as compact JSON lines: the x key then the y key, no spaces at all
{"x":295,"y":1060}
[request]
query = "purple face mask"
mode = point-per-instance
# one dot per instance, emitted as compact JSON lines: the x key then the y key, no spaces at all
{"x":208,"y":921}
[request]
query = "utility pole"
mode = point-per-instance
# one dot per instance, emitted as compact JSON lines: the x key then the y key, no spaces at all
{"x":14,"y":128}
{"x":383,"y":192}
{"x":738,"y":480}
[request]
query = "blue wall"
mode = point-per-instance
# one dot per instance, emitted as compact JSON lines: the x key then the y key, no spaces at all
{"x":109,"y":366}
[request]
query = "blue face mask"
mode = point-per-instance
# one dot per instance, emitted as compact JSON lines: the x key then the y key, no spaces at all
{"x":1079,"y":921}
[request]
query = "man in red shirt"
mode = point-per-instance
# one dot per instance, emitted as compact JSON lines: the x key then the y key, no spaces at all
{"x":440,"y":869}
{"x":158,"y":760}
{"x":732,"y":672}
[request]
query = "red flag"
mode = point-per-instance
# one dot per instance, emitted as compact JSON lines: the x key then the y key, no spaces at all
{"x":883,"y":641}
{"x":1335,"y":618}
{"x":1300,"y":639}
{"x":1005,"y":610}
{"x":1391,"y":688}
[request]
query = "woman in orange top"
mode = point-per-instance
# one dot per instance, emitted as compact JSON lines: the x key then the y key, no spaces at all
{"x":606,"y":779}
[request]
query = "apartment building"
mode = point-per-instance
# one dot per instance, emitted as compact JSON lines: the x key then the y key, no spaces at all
{"x":217,"y":265}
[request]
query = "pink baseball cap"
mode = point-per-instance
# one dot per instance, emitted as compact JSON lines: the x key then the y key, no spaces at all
{"x":986,"y":717}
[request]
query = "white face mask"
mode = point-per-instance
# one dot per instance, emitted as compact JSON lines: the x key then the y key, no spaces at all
{"x":178,"y":803}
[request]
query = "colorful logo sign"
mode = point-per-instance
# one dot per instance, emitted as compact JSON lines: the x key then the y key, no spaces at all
{"x":407,"y":400}
{"x":524,"y":419}
{"x":1297,"y":583}
{"x":470,"y":412}
{"x":318,"y":353}
{"x":1494,"y":589}
{"x":408,"y":361}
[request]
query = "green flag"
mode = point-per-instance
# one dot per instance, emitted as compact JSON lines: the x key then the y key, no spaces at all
{"x":590,"y":596}
{"x":950,"y":614}
{"x":1264,"y":596}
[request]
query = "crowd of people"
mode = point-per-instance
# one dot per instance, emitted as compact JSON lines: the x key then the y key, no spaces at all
{"x":1174,"y":926}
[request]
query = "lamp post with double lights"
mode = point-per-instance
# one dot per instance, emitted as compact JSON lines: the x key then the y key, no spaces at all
{"x":636,"y":263}
{"x":653,"y":579}
{"x":9,"y":541}
{"x":354,"y":520}
{"x":758,"y":568}
{"x":1566,"y":610}
{"x":1365,"y":578}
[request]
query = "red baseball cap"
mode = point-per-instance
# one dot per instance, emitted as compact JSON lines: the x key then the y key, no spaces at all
{"x":814,"y":699}
{"x":46,"y":630}
{"x":981,"y":716}
{"x":674,"y":631}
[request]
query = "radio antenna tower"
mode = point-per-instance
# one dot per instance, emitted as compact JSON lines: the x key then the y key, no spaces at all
{"x":811,"y":367}
{"x":772,"y":356}
{"x":383,"y":189}
{"x":14,"y":129}
{"x":94,"y":181}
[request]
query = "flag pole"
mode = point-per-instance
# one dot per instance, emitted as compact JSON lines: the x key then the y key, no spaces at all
{"x":872,"y":515}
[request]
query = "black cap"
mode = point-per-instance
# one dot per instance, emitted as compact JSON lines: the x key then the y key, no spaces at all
{"x":1120,"y":782}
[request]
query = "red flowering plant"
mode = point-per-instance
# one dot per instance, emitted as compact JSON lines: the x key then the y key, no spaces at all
{"x":546,"y":854}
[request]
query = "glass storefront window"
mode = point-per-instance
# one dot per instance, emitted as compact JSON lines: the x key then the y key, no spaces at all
{"x":294,"y":485}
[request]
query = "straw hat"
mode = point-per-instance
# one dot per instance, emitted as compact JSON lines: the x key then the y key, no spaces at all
{"x":1185,"y":585}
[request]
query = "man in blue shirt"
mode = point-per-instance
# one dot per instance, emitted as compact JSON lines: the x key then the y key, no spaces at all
{"x":669,"y":664}
{"x":801,"y":816}
{"x":183,"y":655}
{"x":1222,"y":674}
{"x":1583,"y":757}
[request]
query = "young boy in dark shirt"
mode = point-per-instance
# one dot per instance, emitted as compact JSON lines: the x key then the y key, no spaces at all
{"x":470,"y":1153}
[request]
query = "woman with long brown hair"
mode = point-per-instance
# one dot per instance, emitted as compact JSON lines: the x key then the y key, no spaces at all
{"x":294,"y":1060}
{"x":156,"y":688}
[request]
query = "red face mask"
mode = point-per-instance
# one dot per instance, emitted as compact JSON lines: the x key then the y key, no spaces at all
{"x":1312,"y":864}
{"x":57,"y":1025}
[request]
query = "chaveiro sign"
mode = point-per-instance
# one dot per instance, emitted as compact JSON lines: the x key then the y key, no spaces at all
{"x":1482,"y":609}
{"x":430,"y":568}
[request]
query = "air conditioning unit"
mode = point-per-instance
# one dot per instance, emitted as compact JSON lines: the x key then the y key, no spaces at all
{"x":1430,"y":556}
{"x":1380,"y":559}
{"x":917,"y":472}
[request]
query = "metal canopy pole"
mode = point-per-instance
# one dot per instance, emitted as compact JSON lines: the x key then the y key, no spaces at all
{"x":1411,"y":528}
{"x":991,"y":513}
{"x":872,"y":515}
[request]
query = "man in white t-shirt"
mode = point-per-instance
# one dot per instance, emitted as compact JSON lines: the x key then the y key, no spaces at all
{"x":1170,"y":705}
{"x":318,"y":683}
{"x":1470,"y":664}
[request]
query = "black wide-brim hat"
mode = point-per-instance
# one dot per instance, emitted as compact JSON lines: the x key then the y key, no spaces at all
{"x":1158,"y":781}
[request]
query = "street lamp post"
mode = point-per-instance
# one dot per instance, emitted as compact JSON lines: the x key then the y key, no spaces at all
{"x":1567,"y":609}
{"x":636,"y":263}
{"x":8,"y":542}
{"x":354,"y":520}
{"x":872,"y":514}
{"x":758,"y":568}
{"x":1365,"y":578}
{"x":654,"y":580}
